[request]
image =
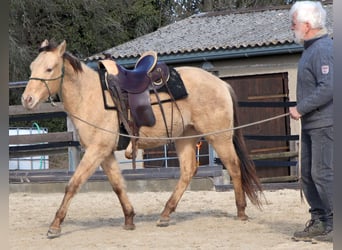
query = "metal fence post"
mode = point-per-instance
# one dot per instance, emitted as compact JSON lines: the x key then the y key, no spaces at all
{"x":74,"y":153}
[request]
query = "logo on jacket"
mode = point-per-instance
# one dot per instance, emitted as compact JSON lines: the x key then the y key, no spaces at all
{"x":325,"y":69}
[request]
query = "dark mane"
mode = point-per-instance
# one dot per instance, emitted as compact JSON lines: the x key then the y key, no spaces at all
{"x":74,"y":61}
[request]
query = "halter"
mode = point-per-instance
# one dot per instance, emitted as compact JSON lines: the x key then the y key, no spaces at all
{"x":44,"y":80}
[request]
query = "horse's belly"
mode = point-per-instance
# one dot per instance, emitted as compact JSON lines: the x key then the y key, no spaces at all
{"x":155,"y":139}
{"x":146,"y":144}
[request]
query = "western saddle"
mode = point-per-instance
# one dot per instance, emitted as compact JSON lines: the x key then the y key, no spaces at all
{"x":130,"y":90}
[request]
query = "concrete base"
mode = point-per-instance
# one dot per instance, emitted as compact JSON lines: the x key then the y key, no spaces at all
{"x":153,"y":185}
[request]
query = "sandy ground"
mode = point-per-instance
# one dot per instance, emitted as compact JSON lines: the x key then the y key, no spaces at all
{"x":203,"y":220}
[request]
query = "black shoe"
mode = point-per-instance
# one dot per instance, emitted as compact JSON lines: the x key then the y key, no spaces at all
{"x":312,"y":228}
{"x":327,"y":236}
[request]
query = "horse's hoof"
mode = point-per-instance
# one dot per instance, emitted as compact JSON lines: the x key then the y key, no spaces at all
{"x":163,"y":222}
{"x":129,"y":227}
{"x":242,"y":217}
{"x":53,"y":232}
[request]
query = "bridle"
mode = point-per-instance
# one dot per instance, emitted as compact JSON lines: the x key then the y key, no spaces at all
{"x":45,"y":81}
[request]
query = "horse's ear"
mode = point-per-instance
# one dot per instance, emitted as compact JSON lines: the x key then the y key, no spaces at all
{"x":45,"y":43}
{"x":61,"y":48}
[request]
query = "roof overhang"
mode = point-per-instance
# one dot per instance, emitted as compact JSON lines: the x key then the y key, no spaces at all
{"x":212,"y":55}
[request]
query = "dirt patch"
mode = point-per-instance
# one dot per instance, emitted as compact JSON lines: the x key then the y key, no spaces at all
{"x":203,"y":220}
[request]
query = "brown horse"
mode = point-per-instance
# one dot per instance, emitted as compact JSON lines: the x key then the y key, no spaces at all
{"x":209,"y":106}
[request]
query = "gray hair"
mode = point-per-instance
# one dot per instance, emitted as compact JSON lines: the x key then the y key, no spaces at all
{"x":311,"y":12}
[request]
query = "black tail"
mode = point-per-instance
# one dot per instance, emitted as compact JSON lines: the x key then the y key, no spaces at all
{"x":250,"y":181}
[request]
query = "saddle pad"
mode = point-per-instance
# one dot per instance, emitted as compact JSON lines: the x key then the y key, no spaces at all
{"x":175,"y":85}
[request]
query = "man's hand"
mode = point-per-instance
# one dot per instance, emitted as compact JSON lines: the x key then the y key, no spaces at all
{"x":294,"y":113}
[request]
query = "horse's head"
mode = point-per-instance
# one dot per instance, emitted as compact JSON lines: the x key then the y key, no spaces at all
{"x":47,"y":73}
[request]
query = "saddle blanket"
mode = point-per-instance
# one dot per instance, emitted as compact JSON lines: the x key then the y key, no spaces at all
{"x":175,"y":85}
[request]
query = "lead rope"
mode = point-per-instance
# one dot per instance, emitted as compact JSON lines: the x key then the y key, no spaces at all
{"x":180,"y":137}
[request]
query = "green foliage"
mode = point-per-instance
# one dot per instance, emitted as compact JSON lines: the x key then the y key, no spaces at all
{"x":88,"y":26}
{"x":142,"y":18}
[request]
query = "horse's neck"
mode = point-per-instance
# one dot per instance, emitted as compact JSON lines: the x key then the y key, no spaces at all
{"x":78,"y":89}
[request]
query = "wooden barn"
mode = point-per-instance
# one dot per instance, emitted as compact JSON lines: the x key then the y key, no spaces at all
{"x":252,"y":50}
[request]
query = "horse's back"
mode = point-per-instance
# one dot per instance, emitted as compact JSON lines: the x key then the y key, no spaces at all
{"x":207,"y":91}
{"x":207,"y":108}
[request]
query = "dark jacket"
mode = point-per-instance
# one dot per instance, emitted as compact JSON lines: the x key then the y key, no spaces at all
{"x":315,"y":83}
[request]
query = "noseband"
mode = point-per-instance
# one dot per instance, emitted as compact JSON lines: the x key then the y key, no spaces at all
{"x":44,"y":80}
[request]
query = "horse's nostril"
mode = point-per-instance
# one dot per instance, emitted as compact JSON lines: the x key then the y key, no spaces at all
{"x":26,"y":101}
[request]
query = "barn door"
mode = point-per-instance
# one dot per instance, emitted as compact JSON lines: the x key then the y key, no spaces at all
{"x":261,"y":97}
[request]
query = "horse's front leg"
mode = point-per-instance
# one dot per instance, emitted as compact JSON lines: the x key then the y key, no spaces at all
{"x":186,"y":151}
{"x":90,"y":161}
{"x":111,"y":168}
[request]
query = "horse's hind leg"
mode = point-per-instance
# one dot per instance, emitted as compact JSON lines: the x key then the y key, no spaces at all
{"x":224,"y":147}
{"x":186,"y":150}
{"x":113,"y":172}
{"x":90,"y":161}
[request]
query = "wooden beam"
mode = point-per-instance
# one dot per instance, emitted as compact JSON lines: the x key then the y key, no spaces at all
{"x":254,"y":151}
{"x":42,"y":108}
{"x":277,"y":179}
{"x":46,"y":151}
{"x":13,"y":85}
{"x":288,"y":154}
{"x":261,"y":97}
{"x":40,"y":138}
{"x":43,"y":176}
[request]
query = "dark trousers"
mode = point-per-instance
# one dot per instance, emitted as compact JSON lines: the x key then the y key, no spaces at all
{"x":318,"y":172}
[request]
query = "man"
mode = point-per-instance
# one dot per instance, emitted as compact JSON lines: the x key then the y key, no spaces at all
{"x":315,"y":110}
